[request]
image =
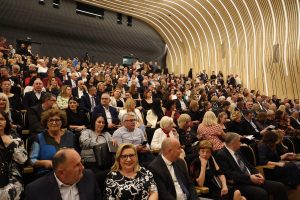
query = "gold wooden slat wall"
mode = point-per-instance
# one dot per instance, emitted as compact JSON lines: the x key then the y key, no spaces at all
{"x":235,"y":36}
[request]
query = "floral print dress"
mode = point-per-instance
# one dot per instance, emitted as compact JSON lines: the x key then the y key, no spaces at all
{"x":11,"y":157}
{"x":124,"y":188}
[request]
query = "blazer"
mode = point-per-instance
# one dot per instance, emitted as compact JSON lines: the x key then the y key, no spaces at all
{"x":164,"y":181}
{"x":294,"y":123}
{"x":34,"y":114}
{"x":30,"y":99}
{"x":113,"y":111}
{"x":75,"y":92}
{"x":249,"y":129}
{"x":46,"y":188}
{"x":85,"y":102}
{"x":231,"y":169}
{"x":178,"y":105}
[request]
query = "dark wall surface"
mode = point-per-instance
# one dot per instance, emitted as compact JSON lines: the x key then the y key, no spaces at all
{"x":62,"y":32}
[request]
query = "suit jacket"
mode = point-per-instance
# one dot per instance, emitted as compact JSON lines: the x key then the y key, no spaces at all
{"x":249,"y":129}
{"x":164,"y":181}
{"x":46,"y":188}
{"x":294,"y":123}
{"x":113,"y":111}
{"x":34,"y":114}
{"x":85,"y":102}
{"x":178,"y":105}
{"x":75,"y":92}
{"x":231,"y":169}
{"x":30,"y":99}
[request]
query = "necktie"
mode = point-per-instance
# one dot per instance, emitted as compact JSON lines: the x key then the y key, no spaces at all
{"x":166,"y":132}
{"x":92,"y":103}
{"x":183,"y":187}
{"x":241,"y":164}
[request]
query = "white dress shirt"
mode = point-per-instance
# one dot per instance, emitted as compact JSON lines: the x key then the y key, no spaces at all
{"x":179,"y":192}
{"x":68,"y":192}
{"x":108,"y":115}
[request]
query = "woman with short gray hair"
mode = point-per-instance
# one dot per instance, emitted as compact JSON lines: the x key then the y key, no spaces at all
{"x":166,"y":130}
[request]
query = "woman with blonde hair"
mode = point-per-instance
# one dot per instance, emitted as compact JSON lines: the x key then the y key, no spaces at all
{"x":130,"y":107}
{"x":127,"y":180}
{"x":63,"y":99}
{"x":194,"y":113}
{"x":210,"y":130}
{"x":116,"y":100}
{"x":187,"y":135}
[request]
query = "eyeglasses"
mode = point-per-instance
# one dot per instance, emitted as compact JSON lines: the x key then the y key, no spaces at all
{"x":54,"y":120}
{"x":125,"y":157}
{"x":130,"y":120}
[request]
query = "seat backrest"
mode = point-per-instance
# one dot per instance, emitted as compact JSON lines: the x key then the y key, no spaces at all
{"x":249,"y":154}
{"x":289,"y":143}
{"x":254,"y":147}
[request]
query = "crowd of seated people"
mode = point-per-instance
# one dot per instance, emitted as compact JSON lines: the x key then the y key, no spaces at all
{"x":68,"y":103}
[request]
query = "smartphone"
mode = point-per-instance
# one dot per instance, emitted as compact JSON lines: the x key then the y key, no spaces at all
{"x":144,"y":143}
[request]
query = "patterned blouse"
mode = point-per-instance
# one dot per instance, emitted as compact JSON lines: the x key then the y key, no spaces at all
{"x":211,"y":133}
{"x":124,"y":188}
{"x":11,"y":156}
{"x":62,"y":102}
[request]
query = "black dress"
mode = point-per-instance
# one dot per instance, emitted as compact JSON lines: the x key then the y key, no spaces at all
{"x":210,"y":181}
{"x":146,"y":105}
{"x":15,"y":102}
{"x":288,"y":175}
{"x":79,"y":118}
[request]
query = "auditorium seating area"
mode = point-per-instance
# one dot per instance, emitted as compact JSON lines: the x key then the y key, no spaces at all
{"x":247,"y":112}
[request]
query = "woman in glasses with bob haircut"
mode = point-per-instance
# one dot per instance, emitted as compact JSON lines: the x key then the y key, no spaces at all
{"x":48,"y":142}
{"x":127,"y":180}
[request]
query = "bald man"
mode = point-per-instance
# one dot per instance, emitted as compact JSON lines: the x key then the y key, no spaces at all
{"x":170,"y":173}
{"x":68,"y":181}
{"x":111,"y":113}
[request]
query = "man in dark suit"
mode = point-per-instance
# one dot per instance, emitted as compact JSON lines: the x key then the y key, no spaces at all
{"x":68,"y":181}
{"x":79,"y":90}
{"x":34,"y":113}
{"x":110,"y":112}
{"x":90,"y":100}
{"x":33,"y":97}
{"x":295,"y":123}
{"x":64,"y":77}
{"x":170,"y":173}
{"x":250,"y":127}
{"x":181,"y":104}
{"x":245,"y":177}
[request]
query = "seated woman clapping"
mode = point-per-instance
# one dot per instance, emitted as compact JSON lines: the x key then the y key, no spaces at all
{"x":127,"y":180}
{"x":205,"y":171}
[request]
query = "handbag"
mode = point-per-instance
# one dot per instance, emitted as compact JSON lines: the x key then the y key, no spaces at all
{"x":104,"y":158}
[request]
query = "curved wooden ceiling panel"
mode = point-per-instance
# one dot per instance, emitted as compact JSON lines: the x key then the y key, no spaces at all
{"x":257,"y":39}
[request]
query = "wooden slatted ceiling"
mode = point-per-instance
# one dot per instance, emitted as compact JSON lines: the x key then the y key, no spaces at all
{"x":234,"y":36}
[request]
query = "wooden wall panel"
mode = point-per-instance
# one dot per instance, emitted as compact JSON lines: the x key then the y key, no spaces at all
{"x":235,"y":36}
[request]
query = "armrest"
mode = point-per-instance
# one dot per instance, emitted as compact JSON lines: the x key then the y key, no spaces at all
{"x":231,"y":182}
{"x":28,"y":170}
{"x":155,"y":151}
{"x":260,"y":168}
{"x":265,"y":166}
{"x":25,"y":132}
{"x":201,"y":190}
